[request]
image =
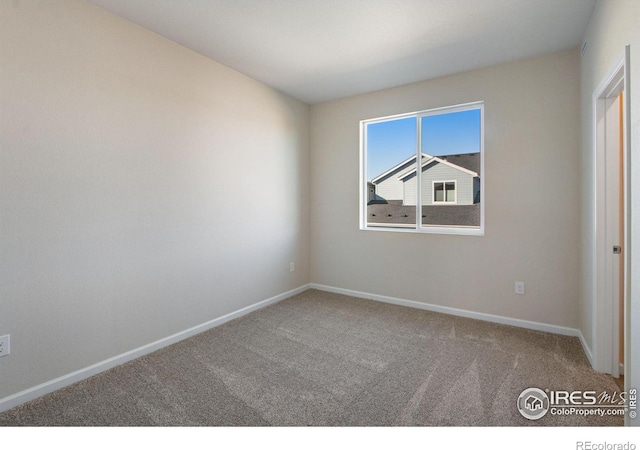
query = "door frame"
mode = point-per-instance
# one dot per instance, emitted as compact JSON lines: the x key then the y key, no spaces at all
{"x":606,"y":310}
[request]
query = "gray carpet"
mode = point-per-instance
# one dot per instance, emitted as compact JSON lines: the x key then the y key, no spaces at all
{"x":324,"y":359}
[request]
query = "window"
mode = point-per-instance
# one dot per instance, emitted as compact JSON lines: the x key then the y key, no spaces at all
{"x":444,"y":192}
{"x":424,"y":171}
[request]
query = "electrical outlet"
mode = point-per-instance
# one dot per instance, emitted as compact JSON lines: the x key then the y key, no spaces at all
{"x":4,"y":345}
{"x":292,"y":267}
{"x":520,"y":287}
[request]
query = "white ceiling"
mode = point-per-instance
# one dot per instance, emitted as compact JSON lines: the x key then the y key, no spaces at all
{"x":319,"y":50}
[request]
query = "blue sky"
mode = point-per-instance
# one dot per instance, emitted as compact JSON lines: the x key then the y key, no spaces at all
{"x":391,"y":142}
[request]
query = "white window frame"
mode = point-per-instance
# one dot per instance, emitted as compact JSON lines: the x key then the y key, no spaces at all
{"x":418,"y":227}
{"x":445,"y":202}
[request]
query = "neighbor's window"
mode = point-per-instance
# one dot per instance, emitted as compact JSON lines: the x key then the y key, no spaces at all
{"x":443,"y":192}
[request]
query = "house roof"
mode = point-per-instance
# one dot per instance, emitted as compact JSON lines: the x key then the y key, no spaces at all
{"x":444,"y":160}
{"x":398,"y":167}
{"x":470,"y":161}
{"x":394,"y":212}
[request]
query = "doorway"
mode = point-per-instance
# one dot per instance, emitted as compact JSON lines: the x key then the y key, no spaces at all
{"x":611,"y":196}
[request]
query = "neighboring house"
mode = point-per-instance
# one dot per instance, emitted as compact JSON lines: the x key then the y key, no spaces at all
{"x":371,"y":192}
{"x":388,"y":186}
{"x":443,"y":183}
{"x":446,"y":180}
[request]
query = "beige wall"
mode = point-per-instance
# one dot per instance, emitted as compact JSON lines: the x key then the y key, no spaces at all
{"x":531,"y":198}
{"x":614,"y":24}
{"x":144,"y":189}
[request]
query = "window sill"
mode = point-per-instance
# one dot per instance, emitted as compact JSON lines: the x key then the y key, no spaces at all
{"x":458,"y":230}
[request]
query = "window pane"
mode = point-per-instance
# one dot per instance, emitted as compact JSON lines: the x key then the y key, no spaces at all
{"x":452,"y":141}
{"x":449,"y":170}
{"x":438,"y":189}
{"x":390,"y":152}
{"x":451,"y":192}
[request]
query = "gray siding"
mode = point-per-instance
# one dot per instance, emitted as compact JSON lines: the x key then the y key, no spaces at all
{"x":440,"y":172}
{"x":371,"y":191}
{"x":409,"y":188}
{"x":390,"y":189}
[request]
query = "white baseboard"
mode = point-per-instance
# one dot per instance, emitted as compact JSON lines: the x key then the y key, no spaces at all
{"x":586,"y":348}
{"x":37,"y":391}
{"x":461,"y":312}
